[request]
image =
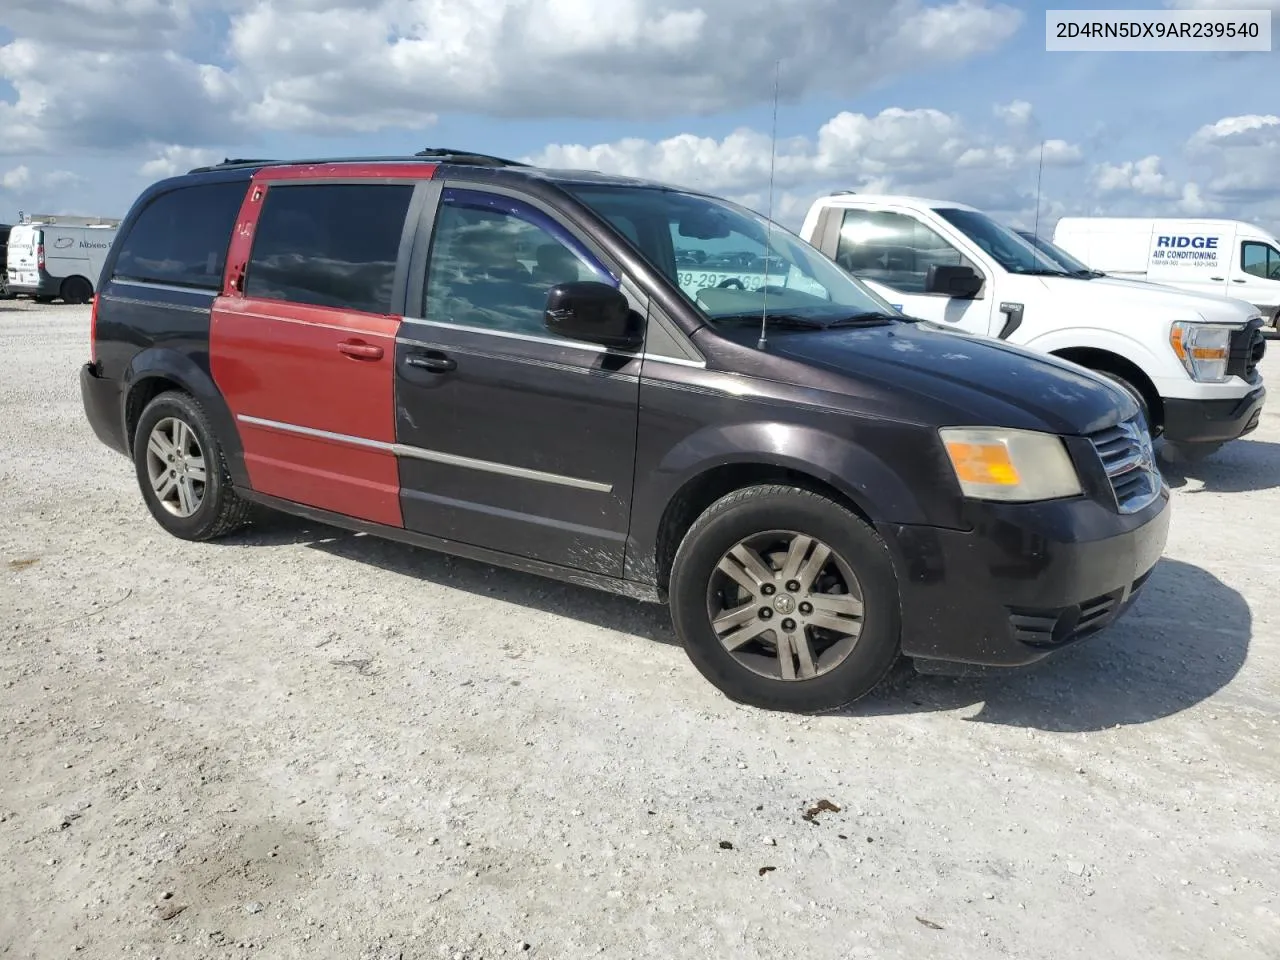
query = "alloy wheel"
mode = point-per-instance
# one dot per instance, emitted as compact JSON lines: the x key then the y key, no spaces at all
{"x":785,"y":605}
{"x":176,"y":467}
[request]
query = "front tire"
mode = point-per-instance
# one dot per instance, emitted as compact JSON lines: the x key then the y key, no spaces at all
{"x":785,"y":600}
{"x":182,"y":472}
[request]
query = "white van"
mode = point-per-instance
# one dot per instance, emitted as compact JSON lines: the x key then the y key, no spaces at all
{"x":51,"y":257}
{"x":1190,"y":360}
{"x":1229,"y":258}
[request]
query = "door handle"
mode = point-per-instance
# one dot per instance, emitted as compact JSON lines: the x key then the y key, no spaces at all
{"x":1217,"y":278}
{"x":435,"y":362}
{"x":359,"y":350}
{"x":1234,"y":280}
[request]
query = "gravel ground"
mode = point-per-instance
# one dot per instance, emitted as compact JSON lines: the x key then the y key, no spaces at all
{"x":304,"y":743}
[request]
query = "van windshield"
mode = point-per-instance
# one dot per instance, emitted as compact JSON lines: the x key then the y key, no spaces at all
{"x":731,"y":263}
{"x":1001,"y":243}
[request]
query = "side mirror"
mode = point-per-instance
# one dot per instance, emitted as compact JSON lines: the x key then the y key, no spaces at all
{"x":593,"y":311}
{"x":953,"y":281}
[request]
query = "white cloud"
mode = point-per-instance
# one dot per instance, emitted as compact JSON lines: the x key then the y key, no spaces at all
{"x":174,"y":159}
{"x":196,"y":72}
{"x":930,"y":153}
{"x":16,"y":179}
{"x":922,"y":151}
{"x":1017,"y":113}
{"x":1242,"y":156}
{"x":1145,"y":177}
{"x":24,"y":188}
{"x":107,"y":99}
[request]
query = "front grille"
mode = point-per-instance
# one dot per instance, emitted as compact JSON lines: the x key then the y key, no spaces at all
{"x":1247,"y":347}
{"x":1129,"y":461}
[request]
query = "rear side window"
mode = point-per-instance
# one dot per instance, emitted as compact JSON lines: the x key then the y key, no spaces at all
{"x":330,"y":245}
{"x":181,"y":237}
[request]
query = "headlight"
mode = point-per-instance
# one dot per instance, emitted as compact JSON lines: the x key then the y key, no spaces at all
{"x":1203,"y":349}
{"x":1012,"y":465}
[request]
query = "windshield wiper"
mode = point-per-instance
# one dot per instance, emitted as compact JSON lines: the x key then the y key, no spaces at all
{"x":793,"y":320}
{"x":864,"y":319}
{"x":1043,"y":272}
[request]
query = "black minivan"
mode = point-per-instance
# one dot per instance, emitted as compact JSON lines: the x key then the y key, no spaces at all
{"x":624,"y":385}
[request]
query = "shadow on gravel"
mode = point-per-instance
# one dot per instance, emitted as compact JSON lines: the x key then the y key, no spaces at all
{"x":1239,"y":467}
{"x":1184,"y":640}
{"x":648,"y":620}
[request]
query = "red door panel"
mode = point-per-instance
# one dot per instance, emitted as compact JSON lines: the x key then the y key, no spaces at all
{"x":312,"y":390}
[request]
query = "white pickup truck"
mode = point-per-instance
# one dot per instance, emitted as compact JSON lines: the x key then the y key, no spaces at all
{"x":1190,"y":359}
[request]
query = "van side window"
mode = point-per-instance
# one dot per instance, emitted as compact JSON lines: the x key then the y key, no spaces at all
{"x":893,"y":249}
{"x":181,"y":237}
{"x":493,"y":261}
{"x":329,"y":244}
{"x":1260,"y":259}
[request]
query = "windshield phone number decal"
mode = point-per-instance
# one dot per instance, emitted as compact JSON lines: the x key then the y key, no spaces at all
{"x":701,"y":279}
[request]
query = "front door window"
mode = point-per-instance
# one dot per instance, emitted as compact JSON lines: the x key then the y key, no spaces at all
{"x":493,"y":261}
{"x":893,"y":249}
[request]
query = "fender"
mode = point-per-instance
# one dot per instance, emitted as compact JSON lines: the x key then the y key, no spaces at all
{"x":185,"y":372}
{"x":1112,"y":341}
{"x":875,"y":488}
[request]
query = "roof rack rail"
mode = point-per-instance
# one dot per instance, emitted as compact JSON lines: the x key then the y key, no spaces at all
{"x":466,"y":156}
{"x":427,"y":155}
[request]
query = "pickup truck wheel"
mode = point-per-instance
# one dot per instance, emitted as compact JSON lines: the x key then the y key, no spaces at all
{"x":1187,"y":452}
{"x":182,"y":472}
{"x":785,"y":600}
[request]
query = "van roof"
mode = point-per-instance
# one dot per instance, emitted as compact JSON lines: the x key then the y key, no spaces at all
{"x":1134,"y":221}
{"x":480,"y":163}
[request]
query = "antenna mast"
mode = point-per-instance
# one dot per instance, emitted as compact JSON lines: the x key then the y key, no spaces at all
{"x":1039,"y":173}
{"x":768,"y":242}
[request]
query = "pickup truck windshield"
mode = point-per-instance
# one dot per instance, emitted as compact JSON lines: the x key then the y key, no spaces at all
{"x":730,"y":263}
{"x":1002,"y":244}
{"x":1067,"y":261}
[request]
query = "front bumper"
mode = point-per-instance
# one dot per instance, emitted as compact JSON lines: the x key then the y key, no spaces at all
{"x":1212,"y":421}
{"x":101,"y":399}
{"x":1025,"y":580}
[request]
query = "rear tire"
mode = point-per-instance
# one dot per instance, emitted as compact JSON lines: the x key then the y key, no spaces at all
{"x":735,"y":567}
{"x":76,"y":290}
{"x":182,"y":471}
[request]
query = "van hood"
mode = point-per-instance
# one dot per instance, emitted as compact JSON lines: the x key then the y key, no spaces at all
{"x":1117,"y":295}
{"x":952,"y":378}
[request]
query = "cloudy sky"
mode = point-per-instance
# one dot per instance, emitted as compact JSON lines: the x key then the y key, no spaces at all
{"x":951,"y":99}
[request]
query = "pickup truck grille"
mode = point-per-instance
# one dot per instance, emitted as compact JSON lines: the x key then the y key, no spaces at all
{"x":1246,"y":349}
{"x":1129,"y":460}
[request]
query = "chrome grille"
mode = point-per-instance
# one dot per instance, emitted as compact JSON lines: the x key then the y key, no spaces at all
{"x":1130,"y":463}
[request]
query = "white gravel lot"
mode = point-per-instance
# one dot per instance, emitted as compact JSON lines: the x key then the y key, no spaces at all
{"x":304,"y":743}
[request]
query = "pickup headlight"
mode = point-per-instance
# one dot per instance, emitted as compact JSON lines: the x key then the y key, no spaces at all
{"x":1203,"y":349}
{"x":1010,"y":465}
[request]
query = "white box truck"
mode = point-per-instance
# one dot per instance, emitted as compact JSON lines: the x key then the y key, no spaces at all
{"x":56,"y":256}
{"x":1229,"y":258}
{"x":1191,"y":360}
